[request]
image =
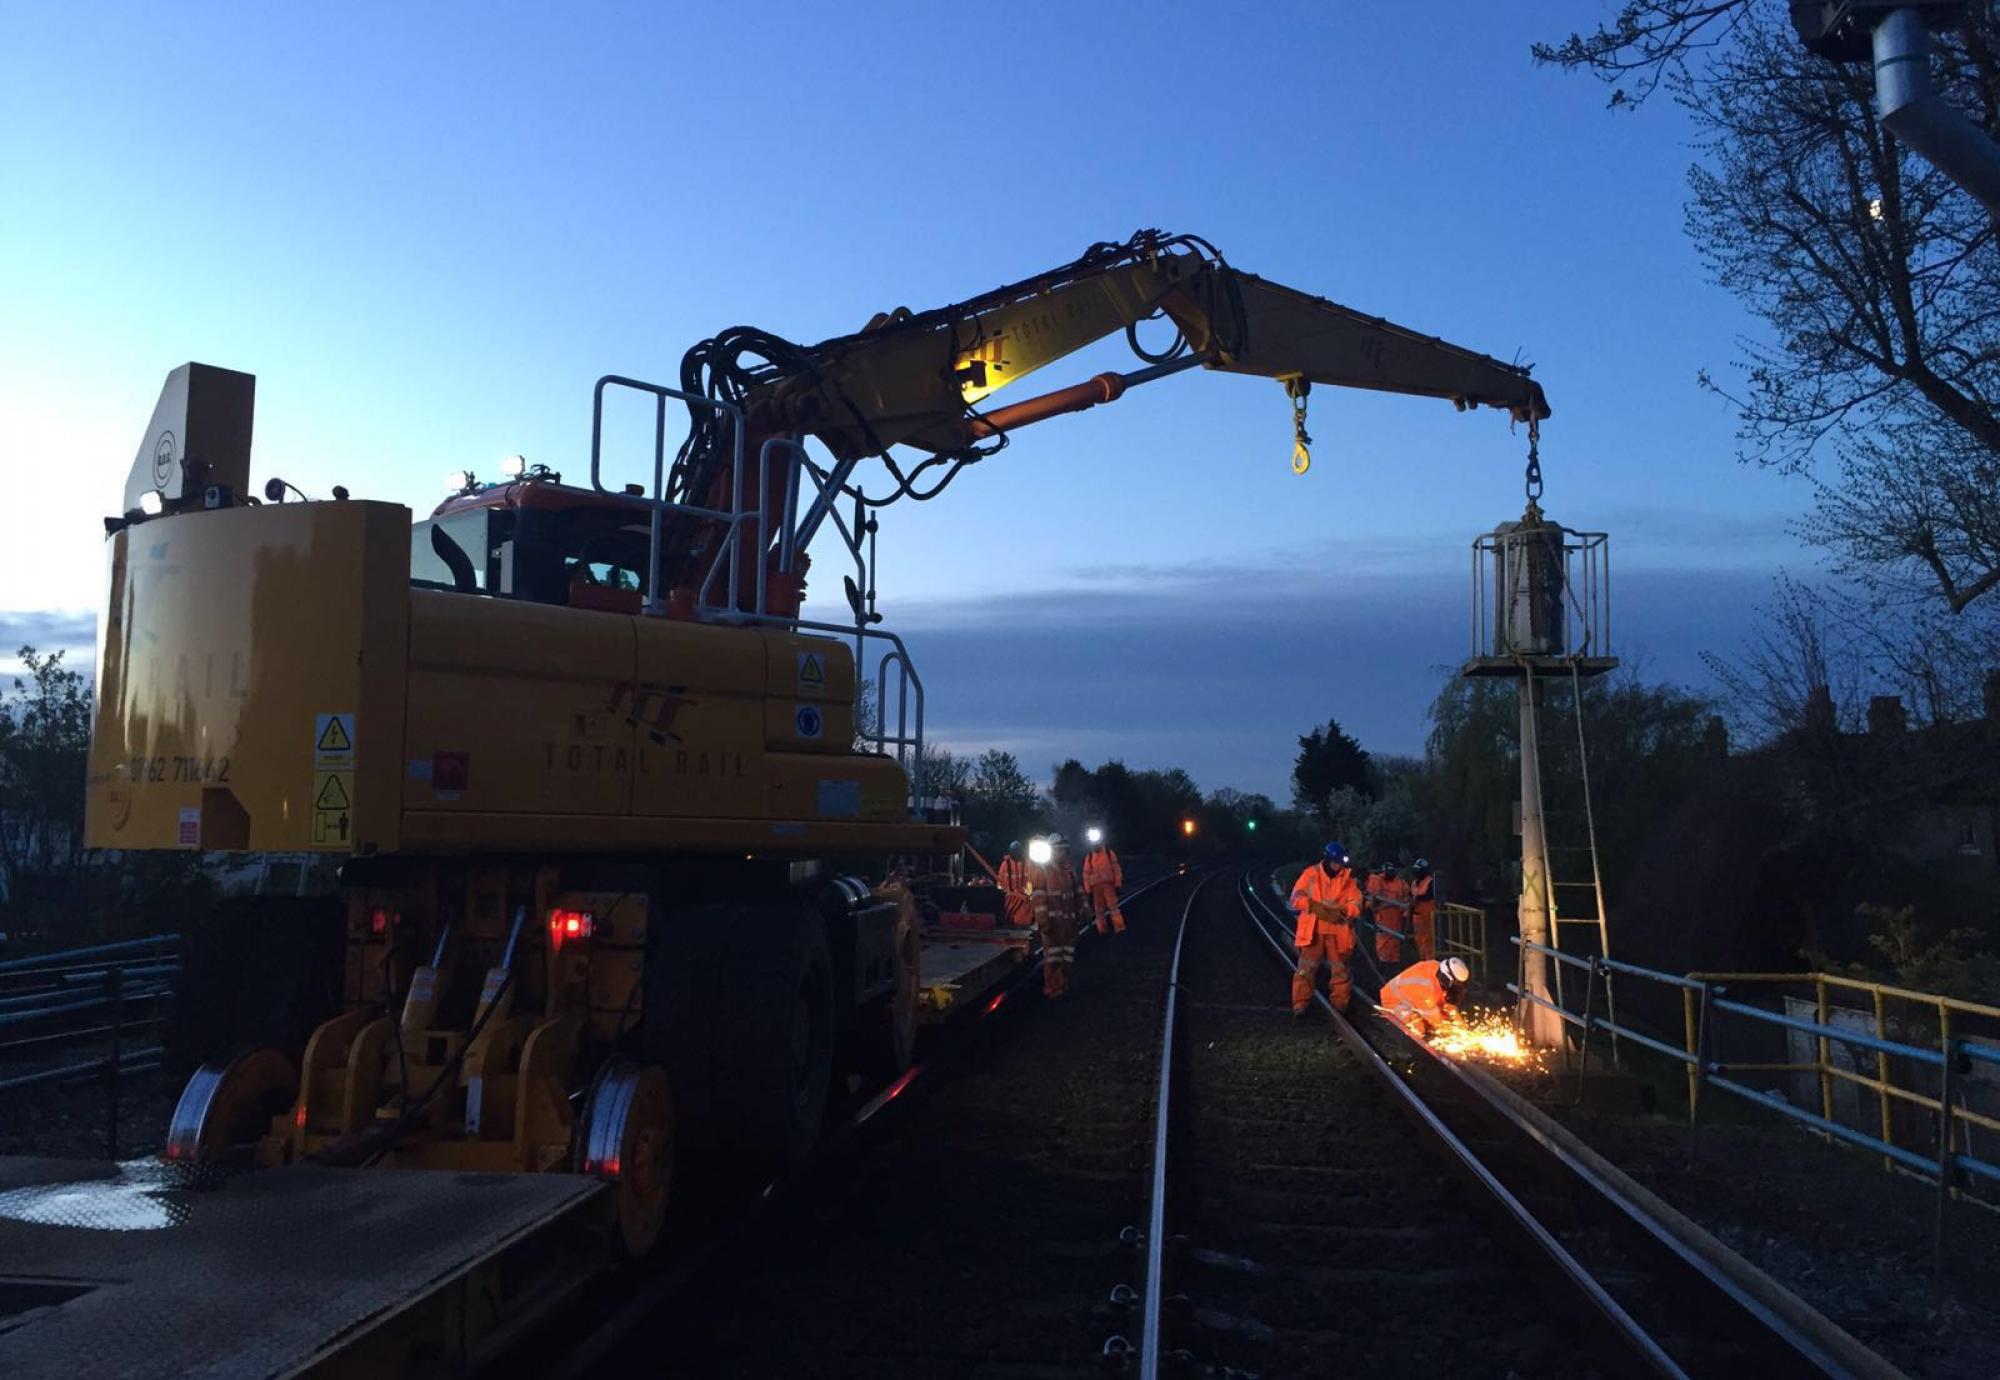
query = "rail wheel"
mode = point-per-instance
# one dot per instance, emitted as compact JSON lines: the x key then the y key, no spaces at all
{"x":228,"y":1105}
{"x":628,"y":1140}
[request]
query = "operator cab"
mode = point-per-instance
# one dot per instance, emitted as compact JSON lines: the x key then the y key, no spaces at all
{"x":537,"y":539}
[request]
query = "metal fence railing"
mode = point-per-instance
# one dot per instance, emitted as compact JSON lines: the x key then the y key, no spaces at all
{"x":1932,"y":1078}
{"x":89,"y":1015}
{"x":1461,"y":931}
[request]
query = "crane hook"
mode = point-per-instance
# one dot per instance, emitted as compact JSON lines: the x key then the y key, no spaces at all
{"x":1296,"y":388}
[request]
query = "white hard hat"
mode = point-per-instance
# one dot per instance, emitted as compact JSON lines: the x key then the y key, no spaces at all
{"x":1454,"y":970}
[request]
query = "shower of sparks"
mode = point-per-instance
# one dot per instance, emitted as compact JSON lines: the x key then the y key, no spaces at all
{"x":1489,"y":1035}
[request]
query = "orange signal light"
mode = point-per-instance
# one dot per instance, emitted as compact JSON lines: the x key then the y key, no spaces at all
{"x":1187,"y":827}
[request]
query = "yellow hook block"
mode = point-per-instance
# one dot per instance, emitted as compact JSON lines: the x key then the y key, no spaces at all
{"x":1297,"y":386}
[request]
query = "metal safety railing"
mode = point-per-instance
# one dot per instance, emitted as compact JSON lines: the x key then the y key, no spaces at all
{"x":1936,"y":1078}
{"x":1461,"y":933}
{"x":105,"y":1003}
{"x":1498,"y":573}
{"x":781,"y":461}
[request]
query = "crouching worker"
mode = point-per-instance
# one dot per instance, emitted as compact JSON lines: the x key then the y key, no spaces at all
{"x":1327,"y":900}
{"x":1425,"y":995}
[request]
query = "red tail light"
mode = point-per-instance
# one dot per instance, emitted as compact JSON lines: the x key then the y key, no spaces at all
{"x":569,"y":926}
{"x":379,"y":920}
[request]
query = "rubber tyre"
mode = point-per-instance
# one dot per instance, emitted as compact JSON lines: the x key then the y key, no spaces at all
{"x":889,"y":1025}
{"x":776,"y":1058}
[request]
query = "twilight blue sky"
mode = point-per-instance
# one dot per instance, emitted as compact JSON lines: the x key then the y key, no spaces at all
{"x":428,"y":230}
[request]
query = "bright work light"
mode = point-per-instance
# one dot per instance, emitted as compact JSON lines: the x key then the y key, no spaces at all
{"x":514,"y":466}
{"x":1094,"y":834}
{"x":458,"y":481}
{"x":1039,"y":851}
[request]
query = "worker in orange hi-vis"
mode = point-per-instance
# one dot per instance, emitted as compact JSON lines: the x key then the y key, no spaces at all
{"x":1423,"y":908}
{"x":1391,"y":897}
{"x":1012,"y":878}
{"x":1103,"y":874}
{"x":1327,"y":899}
{"x":1052,"y":888}
{"x":1425,"y":995}
{"x":1066,"y":903}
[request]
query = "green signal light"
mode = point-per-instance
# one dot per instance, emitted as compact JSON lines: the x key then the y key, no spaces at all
{"x":1251,"y":826}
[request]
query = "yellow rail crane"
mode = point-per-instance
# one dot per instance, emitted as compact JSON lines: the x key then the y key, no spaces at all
{"x":590,"y":774}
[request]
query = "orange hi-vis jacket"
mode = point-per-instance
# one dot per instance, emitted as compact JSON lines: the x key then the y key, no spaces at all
{"x":1416,"y":995}
{"x":1060,"y":880}
{"x":1101,"y":868}
{"x":1339,"y":894}
{"x":1423,"y":891}
{"x":1392,"y":916}
{"x":1014,"y":878}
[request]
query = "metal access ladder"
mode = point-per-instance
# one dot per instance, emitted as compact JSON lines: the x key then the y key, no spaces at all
{"x":1576,"y":887}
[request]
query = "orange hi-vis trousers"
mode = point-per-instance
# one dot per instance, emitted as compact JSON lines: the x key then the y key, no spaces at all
{"x":1331,"y":945}
{"x":1423,"y":919}
{"x":1104,"y":900}
{"x":1392,"y":921}
{"x":1058,"y":953}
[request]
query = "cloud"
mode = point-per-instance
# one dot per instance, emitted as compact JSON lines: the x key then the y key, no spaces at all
{"x":74,"y":634}
{"x":1221,"y":677}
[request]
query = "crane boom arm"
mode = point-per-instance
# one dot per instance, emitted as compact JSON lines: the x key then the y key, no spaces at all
{"x":921,"y":379}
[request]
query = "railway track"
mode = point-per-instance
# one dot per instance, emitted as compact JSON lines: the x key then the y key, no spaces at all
{"x":1319,"y":1207}
{"x":948,"y":1225}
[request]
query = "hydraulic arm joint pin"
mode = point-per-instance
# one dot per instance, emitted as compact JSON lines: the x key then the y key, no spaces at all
{"x":1296,"y":388}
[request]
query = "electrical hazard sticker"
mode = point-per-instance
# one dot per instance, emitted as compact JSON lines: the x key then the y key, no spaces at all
{"x":333,"y":742}
{"x":810,"y":723}
{"x":332,"y":798}
{"x":812,"y":671}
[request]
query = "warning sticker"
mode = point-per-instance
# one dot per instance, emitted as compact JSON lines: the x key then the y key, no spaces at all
{"x":812,"y":671}
{"x":332,"y":792}
{"x":333,"y":742}
{"x":190,"y":827}
{"x":332,"y":808}
{"x":810,"y":724}
{"x":333,"y":780}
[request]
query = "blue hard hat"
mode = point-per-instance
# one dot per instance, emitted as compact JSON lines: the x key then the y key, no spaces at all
{"x":1333,"y":852}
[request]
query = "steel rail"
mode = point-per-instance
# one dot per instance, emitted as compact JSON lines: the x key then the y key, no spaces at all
{"x":587,"y":1356}
{"x":1824,"y":1349}
{"x":1644,"y":1348}
{"x":1156,"y":1216}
